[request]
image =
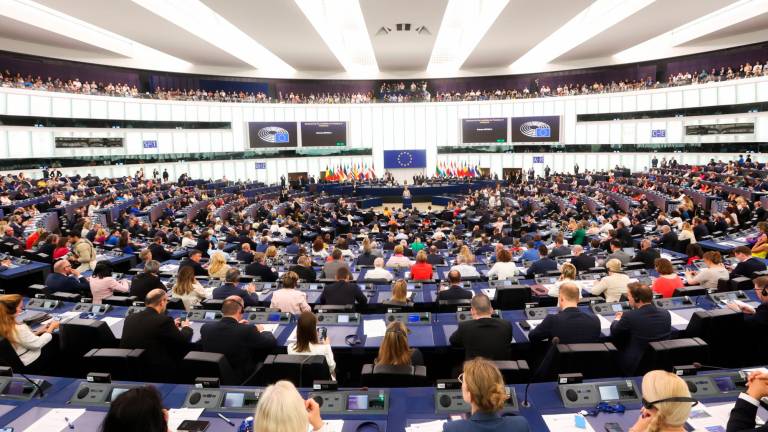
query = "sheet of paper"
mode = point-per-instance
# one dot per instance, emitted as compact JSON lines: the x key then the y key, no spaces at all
{"x":677,"y":320}
{"x":666,"y":256}
{"x":710,"y":418}
{"x":292,"y":336}
{"x":605,"y":323}
{"x":270,"y":327}
{"x":374,"y":327}
{"x":433,"y":426}
{"x":55,"y":420}
{"x":490,"y":292}
{"x":167,"y":268}
{"x":567,"y":423}
{"x":112,"y":320}
{"x":409,"y":295}
{"x":534,"y":323}
{"x":178,"y":415}
{"x":330,"y":426}
{"x":66,"y":316}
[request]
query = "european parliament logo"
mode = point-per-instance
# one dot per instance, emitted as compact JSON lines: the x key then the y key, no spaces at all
{"x":536,"y":129}
{"x":404,"y":159}
{"x":274,"y":134}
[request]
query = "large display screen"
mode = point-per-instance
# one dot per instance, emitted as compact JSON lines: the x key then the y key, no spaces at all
{"x":720,"y":129}
{"x":324,"y":134}
{"x":272,"y":134}
{"x":536,"y":129}
{"x":74,"y":142}
{"x":484,"y":130}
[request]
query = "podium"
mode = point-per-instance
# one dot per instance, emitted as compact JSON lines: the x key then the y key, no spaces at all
{"x":407,"y":202}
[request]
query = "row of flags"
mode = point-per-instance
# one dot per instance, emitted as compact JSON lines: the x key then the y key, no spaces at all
{"x":452,"y":169}
{"x":355,"y":171}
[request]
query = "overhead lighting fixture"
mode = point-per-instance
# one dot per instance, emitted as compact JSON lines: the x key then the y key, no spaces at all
{"x":384,"y":31}
{"x":722,"y":18}
{"x":203,"y":22}
{"x":595,"y":19}
{"x":341,"y":25}
{"x":464,"y":25}
{"x":423,"y":30}
{"x":38,"y":15}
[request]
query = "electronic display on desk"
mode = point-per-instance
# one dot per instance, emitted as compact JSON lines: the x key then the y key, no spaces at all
{"x":274,"y":317}
{"x":357,"y":402}
{"x":234,"y":400}
{"x":536,"y":129}
{"x":617,"y":307}
{"x":210,"y":316}
{"x":50,"y":304}
{"x":725,"y":384}
{"x":324,"y":134}
{"x":18,"y":388}
{"x":608,"y":393}
{"x":413,"y":318}
{"x":484,"y":130}
{"x":272,"y":134}
{"x":117,"y":391}
{"x":343,"y":319}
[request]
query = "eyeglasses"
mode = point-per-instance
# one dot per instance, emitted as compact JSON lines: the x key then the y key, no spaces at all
{"x":650,"y":405}
{"x":461,"y":378}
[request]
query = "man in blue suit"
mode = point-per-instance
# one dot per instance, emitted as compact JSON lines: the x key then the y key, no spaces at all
{"x":633,"y":330}
{"x":66,"y":279}
{"x":570,"y":325}
{"x":543,"y":265}
{"x":230,"y":288}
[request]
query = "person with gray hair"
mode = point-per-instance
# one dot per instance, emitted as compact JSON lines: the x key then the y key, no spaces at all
{"x":483,"y":335}
{"x":378,"y":272}
{"x":580,"y":260}
{"x":230,"y":287}
{"x":147,"y":280}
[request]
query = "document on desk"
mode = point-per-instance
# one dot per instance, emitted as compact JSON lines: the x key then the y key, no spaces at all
{"x":433,"y":426}
{"x":534,"y":323}
{"x":567,"y":423}
{"x":330,"y":426}
{"x":374,"y":328}
{"x":177,"y":415}
{"x":111,"y":321}
{"x":67,"y":316}
{"x":55,"y":420}
{"x":272,"y":328}
{"x":605,"y":323}
{"x":292,"y":336}
{"x":710,"y":418}
{"x":490,"y":292}
{"x":677,"y":320}
{"x":169,"y":268}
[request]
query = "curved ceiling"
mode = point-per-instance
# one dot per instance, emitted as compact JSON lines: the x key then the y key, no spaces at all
{"x":375,"y":39}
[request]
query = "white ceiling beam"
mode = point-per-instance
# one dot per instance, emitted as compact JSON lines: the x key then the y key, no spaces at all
{"x":464,"y":24}
{"x":38,"y":15}
{"x":203,"y":22}
{"x":593,"y":20}
{"x":341,"y":25}
{"x":664,"y":44}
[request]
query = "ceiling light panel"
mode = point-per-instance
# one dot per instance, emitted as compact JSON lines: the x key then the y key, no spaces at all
{"x":200,"y":20}
{"x":464,"y":24}
{"x":660,"y":45}
{"x":341,"y":25}
{"x":38,"y":15}
{"x":593,"y":20}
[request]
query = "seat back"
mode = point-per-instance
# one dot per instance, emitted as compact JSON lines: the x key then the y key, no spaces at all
{"x":667,"y":354}
{"x":78,"y":336}
{"x":514,"y":371}
{"x":592,"y":360}
{"x":212,"y":304}
{"x":121,"y":363}
{"x":301,"y":370}
{"x":452,"y":305}
{"x":721,"y":329}
{"x":207,"y":364}
{"x":393,"y":376}
{"x":696,"y":290}
{"x":8,"y":356}
{"x":120,"y":300}
{"x":512,"y":297}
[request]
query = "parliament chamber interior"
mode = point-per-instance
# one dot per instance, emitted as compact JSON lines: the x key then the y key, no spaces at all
{"x":362,"y":215}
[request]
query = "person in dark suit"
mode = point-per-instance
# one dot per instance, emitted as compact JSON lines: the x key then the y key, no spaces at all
{"x":244,"y":255}
{"x":542,"y":265}
{"x":570,"y":325}
{"x":259,"y":268}
{"x":304,"y":269}
{"x":633,"y":330}
{"x":455,"y":291}
{"x":342,"y":292}
{"x":756,"y":319}
{"x":293,"y":248}
{"x":700,"y":229}
{"x":647,"y":254}
{"x":146,"y":281}
{"x":164,"y":339}
{"x":483,"y":335}
{"x":435,"y":258}
{"x":747,"y":265}
{"x":230,"y":288}
{"x":242,"y":344}
{"x":580,"y":260}
{"x":158,"y":251}
{"x":482,"y":387}
{"x":203,"y":242}
{"x":559,"y":249}
{"x":624,"y":235}
{"x":668,"y":239}
{"x":193,"y":260}
{"x":66,"y":279}
{"x":742,"y":418}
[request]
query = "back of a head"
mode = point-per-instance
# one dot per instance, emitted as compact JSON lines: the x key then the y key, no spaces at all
{"x":290,"y":280}
{"x":613,"y":265}
{"x":659,"y":385}
{"x":280,"y":409}
{"x":482,"y":304}
{"x":641,"y":293}
{"x":485,"y":385}
{"x":454,"y":277}
{"x":138,"y":409}
{"x":570,"y":291}
{"x":336,"y":254}
{"x":342,"y":274}
{"x":152,"y":266}
{"x":378,"y":262}
{"x":568,"y":271}
{"x":543,"y":251}
{"x":394,"y":349}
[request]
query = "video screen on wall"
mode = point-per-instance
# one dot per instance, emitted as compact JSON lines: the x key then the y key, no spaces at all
{"x":483,"y":130}
{"x":720,"y":129}
{"x":272,"y":134}
{"x":536,"y":129}
{"x":75,"y":142}
{"x":324,"y":134}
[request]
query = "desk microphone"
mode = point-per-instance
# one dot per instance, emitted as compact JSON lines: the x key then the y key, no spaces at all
{"x":547,"y":357}
{"x":698,"y":365}
{"x":37,"y":386}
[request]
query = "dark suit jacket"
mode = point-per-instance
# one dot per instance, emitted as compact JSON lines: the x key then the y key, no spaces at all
{"x":435,"y":259}
{"x":571,"y":325}
{"x":583,"y":262}
{"x":199,"y":270}
{"x":560,"y":251}
{"x":635,"y":330}
{"x":742,"y":418}
{"x":228,"y":289}
{"x":748,"y":268}
{"x":648,"y":257}
{"x":342,"y":293}
{"x":242,"y":344}
{"x":758,"y":321}
{"x":668,"y":241}
{"x":455,"y":292}
{"x":366,"y":259}
{"x":59,"y":283}
{"x":307,"y":274}
{"x":164,"y":343}
{"x":203,"y":246}
{"x":257,"y":269}
{"x":541,"y":266}
{"x":484,"y":337}
{"x":488,"y":422}
{"x":244,"y":257}
{"x":143,"y":283}
{"x":159,"y":253}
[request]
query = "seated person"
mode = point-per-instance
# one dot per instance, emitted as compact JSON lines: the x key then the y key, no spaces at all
{"x":743,"y":414}
{"x":667,"y":403}
{"x":245,"y":255}
{"x":33,"y":348}
{"x":288,"y":298}
{"x":567,"y":275}
{"x":229,"y":288}
{"x":138,"y":409}
{"x":542,"y":266}
{"x":756,"y":318}
{"x":455,"y":291}
{"x":467,"y":270}
{"x":712,"y":274}
{"x":613,"y":285}
{"x":304,"y":269}
{"x":482,"y":387}
{"x":422,"y":270}
{"x":188,"y":289}
{"x":146,"y":281}
{"x":618,"y":253}
{"x":335,"y":263}
{"x":281,"y":408}
{"x":398,"y":259}
{"x":483,"y":335}
{"x":342,"y":292}
{"x":193,"y":260}
{"x":399,"y":294}
{"x":378,"y":272}
{"x":570,"y":325}
{"x":668,"y":280}
{"x":504,"y":268}
{"x":260,"y":269}
{"x":747,"y":265}
{"x":217,"y":266}
{"x":307,"y":342}
{"x":103,"y":284}
{"x":394,"y":349}
{"x":647,"y":254}
{"x":64,"y":278}
{"x":434,"y":256}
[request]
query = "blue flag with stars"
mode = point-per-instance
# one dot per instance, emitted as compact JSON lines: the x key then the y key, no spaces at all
{"x":405,"y":159}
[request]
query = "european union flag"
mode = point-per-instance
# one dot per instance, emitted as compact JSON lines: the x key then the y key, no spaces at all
{"x":405,"y":159}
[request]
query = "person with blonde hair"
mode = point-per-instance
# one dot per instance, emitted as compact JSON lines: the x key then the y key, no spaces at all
{"x":567,"y":274}
{"x":288,"y":298}
{"x":667,"y":403}
{"x":482,"y":387}
{"x":613,"y":285}
{"x":188,"y":289}
{"x":270,"y":256}
{"x":398,"y":259}
{"x":686,"y":233}
{"x":282,"y":409}
{"x":467,"y":255}
{"x":217,"y":266}
{"x":394,"y":349}
{"x":399,"y":294}
{"x":28,"y":345}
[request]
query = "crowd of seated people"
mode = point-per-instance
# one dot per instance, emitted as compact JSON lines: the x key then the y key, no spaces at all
{"x":388,"y":92}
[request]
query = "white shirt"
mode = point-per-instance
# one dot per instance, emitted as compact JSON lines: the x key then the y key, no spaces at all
{"x":316,"y":349}
{"x":28,"y":345}
{"x":399,"y":261}
{"x":466,"y":270}
{"x":188,"y":242}
{"x":503,"y":270}
{"x":378,"y":273}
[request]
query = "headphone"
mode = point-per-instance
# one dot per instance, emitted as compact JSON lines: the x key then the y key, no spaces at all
{"x":649,"y":405}
{"x":242,"y":307}
{"x":764,"y":292}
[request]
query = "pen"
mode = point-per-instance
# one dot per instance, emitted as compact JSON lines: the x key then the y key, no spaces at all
{"x":69,"y":424}
{"x":221,"y":416}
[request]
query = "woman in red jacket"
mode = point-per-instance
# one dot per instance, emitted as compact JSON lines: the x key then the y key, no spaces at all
{"x":422,"y":270}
